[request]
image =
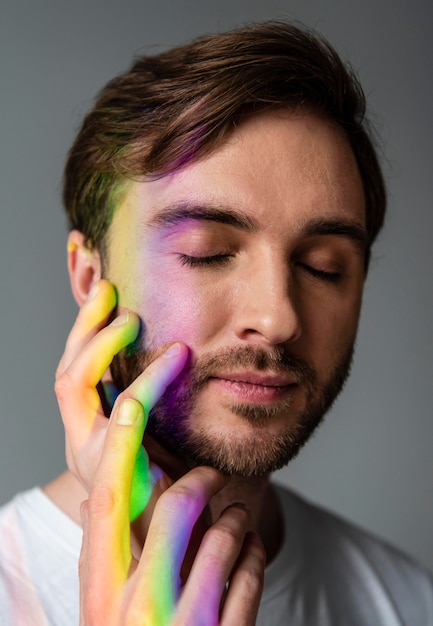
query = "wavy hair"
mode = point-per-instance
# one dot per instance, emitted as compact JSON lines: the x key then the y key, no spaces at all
{"x":176,"y":107}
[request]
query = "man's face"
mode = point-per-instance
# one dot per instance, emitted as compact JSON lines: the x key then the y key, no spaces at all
{"x":254,"y":258}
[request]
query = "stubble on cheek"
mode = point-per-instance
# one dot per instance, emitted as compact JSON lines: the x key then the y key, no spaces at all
{"x":173,"y":412}
{"x":171,"y":420}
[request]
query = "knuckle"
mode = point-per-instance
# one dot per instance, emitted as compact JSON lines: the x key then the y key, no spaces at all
{"x":222,"y":539}
{"x":101,"y":502}
{"x":63,"y":385}
{"x":252,"y":566}
{"x":253,"y":578}
{"x":228,"y":533}
{"x":177,"y":498}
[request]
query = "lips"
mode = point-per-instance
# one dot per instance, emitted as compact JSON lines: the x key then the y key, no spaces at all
{"x":254,"y":387}
{"x":256,"y":378}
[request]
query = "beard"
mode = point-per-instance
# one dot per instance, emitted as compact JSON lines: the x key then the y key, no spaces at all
{"x":260,"y":451}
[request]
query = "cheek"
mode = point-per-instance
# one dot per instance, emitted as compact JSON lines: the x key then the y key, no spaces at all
{"x":180,"y":309}
{"x":329,"y":330}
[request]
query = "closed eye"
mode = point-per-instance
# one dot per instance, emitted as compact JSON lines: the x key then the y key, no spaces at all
{"x":205,"y":261}
{"x":330,"y":277}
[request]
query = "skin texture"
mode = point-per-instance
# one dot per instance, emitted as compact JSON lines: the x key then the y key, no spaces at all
{"x":258,"y":308}
{"x":290,"y":285}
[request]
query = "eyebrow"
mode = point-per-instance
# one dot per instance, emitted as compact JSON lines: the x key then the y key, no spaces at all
{"x":184,"y":211}
{"x":181,"y":212}
{"x":353,"y":231}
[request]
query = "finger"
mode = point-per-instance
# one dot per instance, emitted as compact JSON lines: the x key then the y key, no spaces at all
{"x":242,"y":601}
{"x":76,"y":390}
{"x":91,"y":362}
{"x":102,"y":573}
{"x":148,"y":389}
{"x":218,"y":554}
{"x":108,"y":532}
{"x":151,"y":384}
{"x":92,"y":316}
{"x":176,"y":512}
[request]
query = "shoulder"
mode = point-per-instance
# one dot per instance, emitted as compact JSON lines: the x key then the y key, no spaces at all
{"x":39,"y":550}
{"x":341,"y":558}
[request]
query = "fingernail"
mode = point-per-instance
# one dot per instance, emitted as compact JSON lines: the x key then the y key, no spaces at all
{"x":122,"y":319}
{"x":172,"y":351}
{"x":128,"y":412}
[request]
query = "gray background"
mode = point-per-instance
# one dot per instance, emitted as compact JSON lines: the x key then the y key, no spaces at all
{"x":372,"y":460}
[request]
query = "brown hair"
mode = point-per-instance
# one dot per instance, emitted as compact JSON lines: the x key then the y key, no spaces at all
{"x":175,"y":107}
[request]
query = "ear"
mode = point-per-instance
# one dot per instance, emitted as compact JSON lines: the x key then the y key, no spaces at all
{"x":84,"y":266}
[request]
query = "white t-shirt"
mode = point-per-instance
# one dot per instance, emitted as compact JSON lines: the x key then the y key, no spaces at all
{"x":328,"y":572}
{"x":39,"y":551}
{"x":332,"y":573}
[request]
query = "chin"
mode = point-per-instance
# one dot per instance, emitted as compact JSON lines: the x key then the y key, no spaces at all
{"x":247,"y":450}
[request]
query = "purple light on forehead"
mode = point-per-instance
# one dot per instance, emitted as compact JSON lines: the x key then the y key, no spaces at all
{"x":190,"y":149}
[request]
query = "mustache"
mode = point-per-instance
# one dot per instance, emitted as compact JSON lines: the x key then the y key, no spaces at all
{"x":198,"y":371}
{"x":276,"y":361}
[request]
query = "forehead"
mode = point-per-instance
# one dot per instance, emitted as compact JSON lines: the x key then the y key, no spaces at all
{"x":276,"y":166}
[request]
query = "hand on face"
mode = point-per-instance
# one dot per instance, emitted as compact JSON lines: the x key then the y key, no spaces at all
{"x":119,"y":590}
{"x":108,"y":458}
{"x":89,"y":351}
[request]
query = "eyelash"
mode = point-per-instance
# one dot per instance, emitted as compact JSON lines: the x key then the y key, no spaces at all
{"x":204,"y":261}
{"x":223,"y":259}
{"x":329,"y":277}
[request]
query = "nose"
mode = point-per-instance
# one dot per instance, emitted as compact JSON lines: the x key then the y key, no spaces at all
{"x":265,"y":307}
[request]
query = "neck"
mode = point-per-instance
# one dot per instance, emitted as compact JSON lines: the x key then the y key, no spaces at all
{"x":261,"y":501}
{"x":68,"y":494}
{"x":255,"y":493}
